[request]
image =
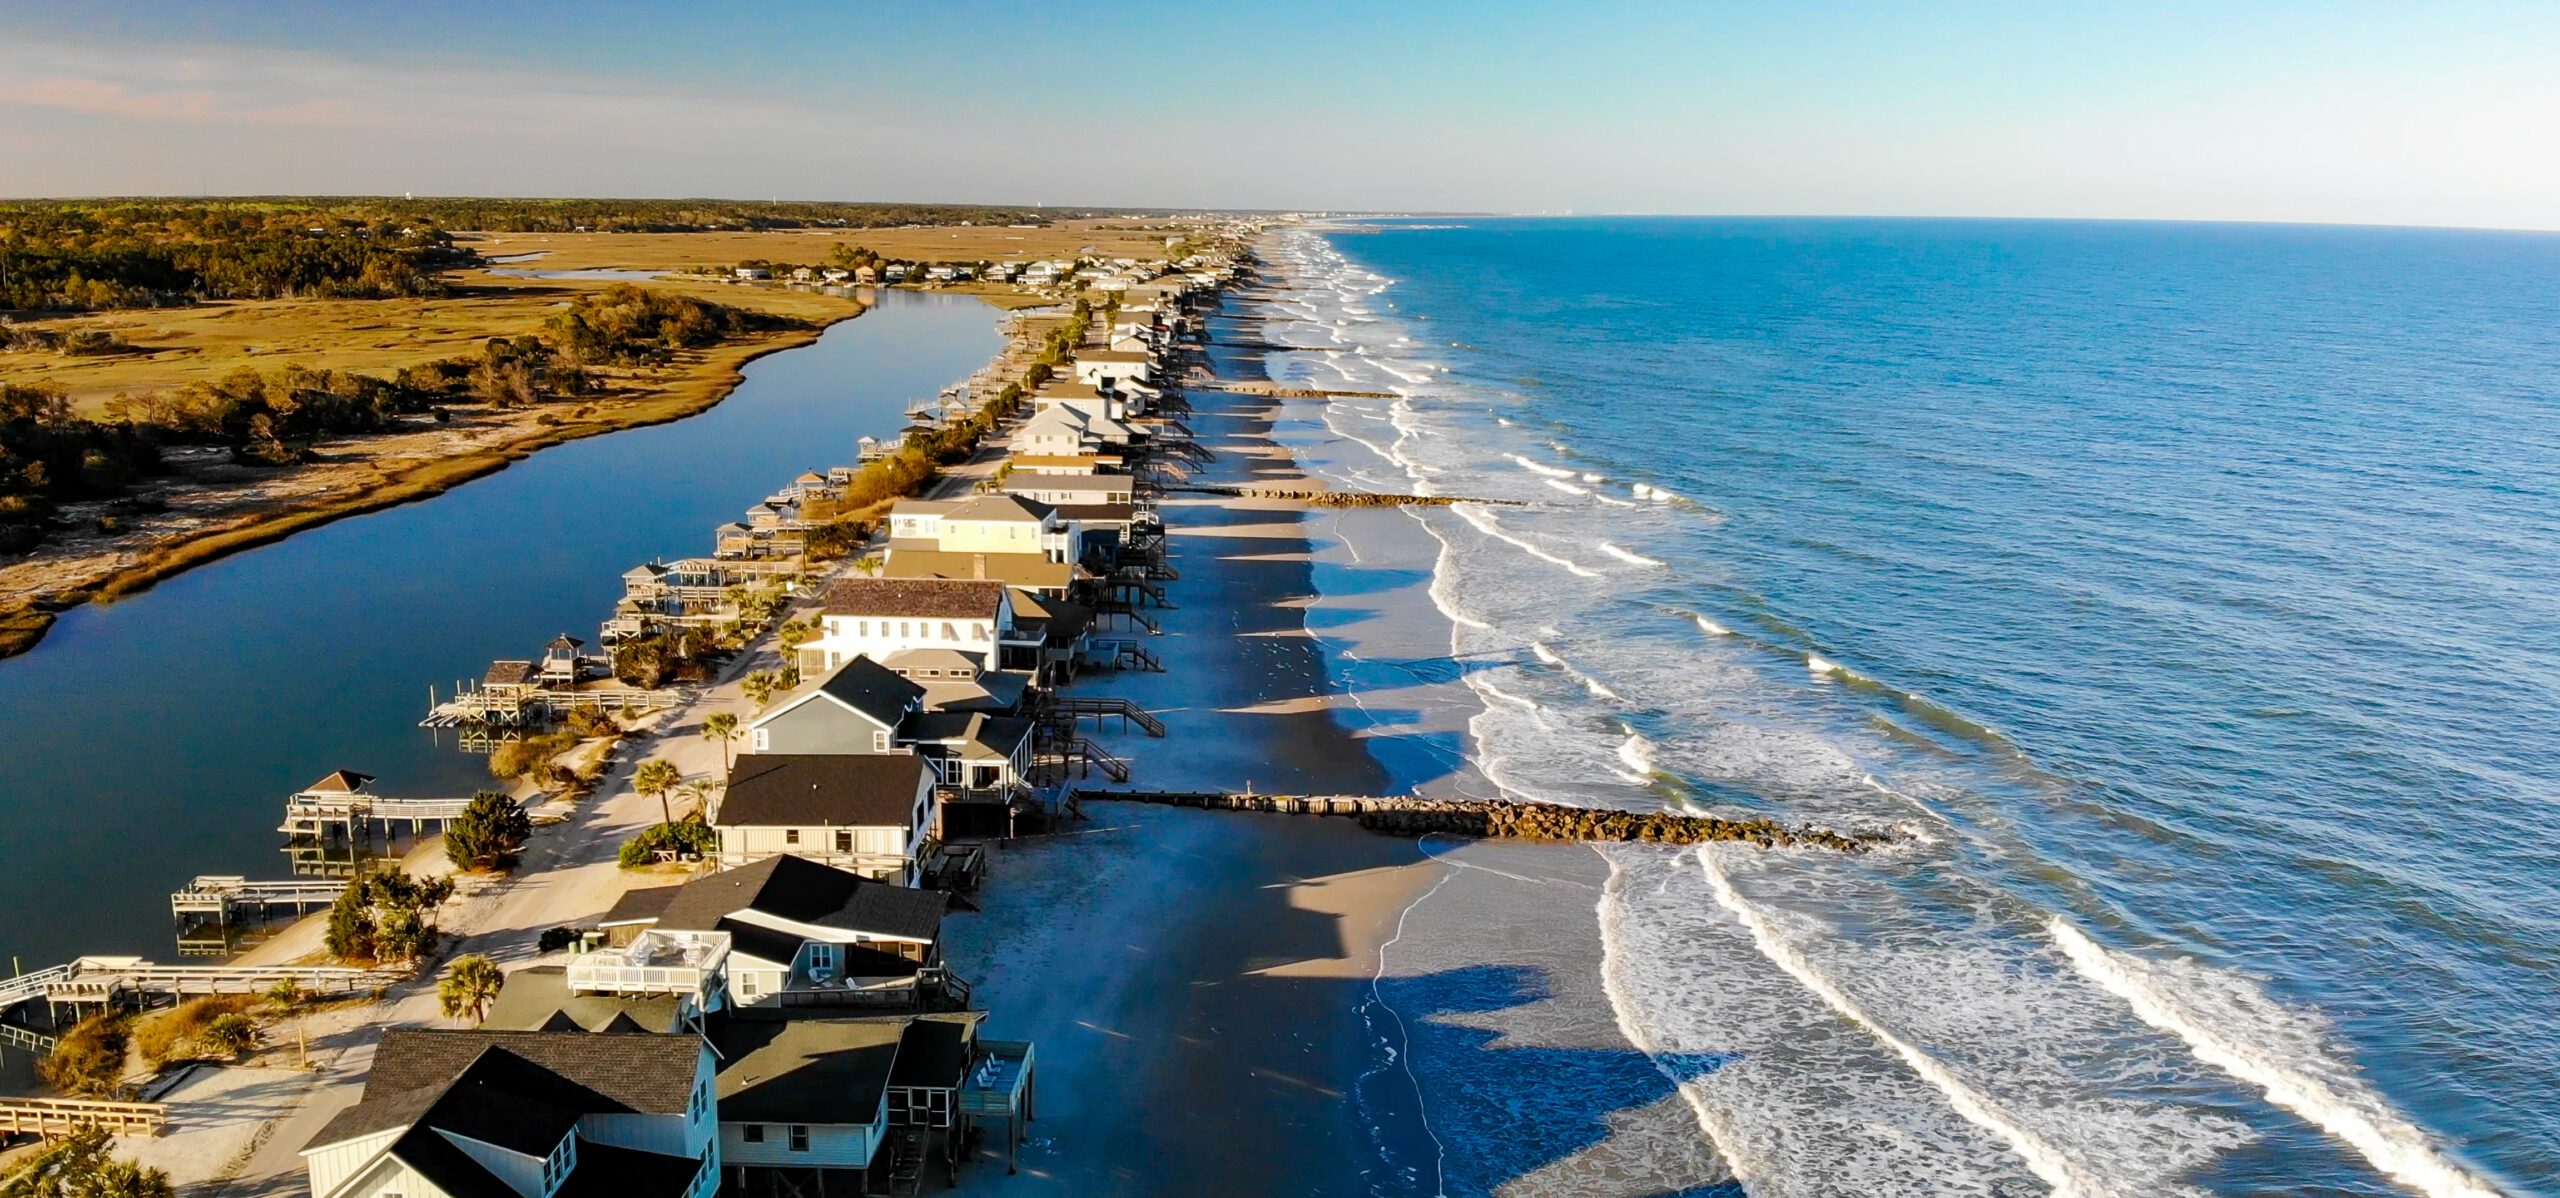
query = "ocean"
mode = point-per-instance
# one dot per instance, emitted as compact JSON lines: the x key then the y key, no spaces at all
{"x":2185,"y":597}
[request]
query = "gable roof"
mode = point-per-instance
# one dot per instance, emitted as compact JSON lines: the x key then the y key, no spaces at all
{"x":644,"y":1074}
{"x":875,"y":690}
{"x":539,"y":999}
{"x":807,"y":892}
{"x":339,"y":782}
{"x":781,"y":1070}
{"x":1011,"y":569}
{"x":946,"y":599}
{"x":839,"y":789}
{"x":1005,"y":508}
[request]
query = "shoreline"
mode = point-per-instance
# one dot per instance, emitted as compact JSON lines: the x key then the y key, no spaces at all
{"x":24,"y":625}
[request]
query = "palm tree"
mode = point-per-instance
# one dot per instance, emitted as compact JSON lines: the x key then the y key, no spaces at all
{"x":759,"y":687}
{"x":721,"y":726}
{"x":468,"y":986}
{"x":657,"y":776}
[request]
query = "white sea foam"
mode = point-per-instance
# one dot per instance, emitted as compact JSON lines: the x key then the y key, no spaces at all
{"x":2041,"y":1157}
{"x":1598,"y":689}
{"x":1710,"y":627}
{"x":1539,"y":467}
{"x":1567,"y":488}
{"x":1636,"y":753}
{"x":1486,"y":524}
{"x":2234,"y":1025}
{"x":1628,"y":556}
{"x":1820,"y":665}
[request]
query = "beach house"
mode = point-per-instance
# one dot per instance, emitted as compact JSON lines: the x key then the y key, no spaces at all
{"x":807,"y":935}
{"x":869,"y":813}
{"x":879,"y":617}
{"x":857,"y":707}
{"x":1110,"y":367}
{"x":1072,"y":490}
{"x":1052,"y":431}
{"x":525,"y":1114}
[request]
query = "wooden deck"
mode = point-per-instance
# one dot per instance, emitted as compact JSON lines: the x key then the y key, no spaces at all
{"x":218,"y":895}
{"x":51,"y":1117}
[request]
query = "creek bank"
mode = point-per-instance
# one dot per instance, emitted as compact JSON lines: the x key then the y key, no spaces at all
{"x":1501,"y":820}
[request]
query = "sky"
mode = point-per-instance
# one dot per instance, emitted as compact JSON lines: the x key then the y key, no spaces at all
{"x":2380,"y":113}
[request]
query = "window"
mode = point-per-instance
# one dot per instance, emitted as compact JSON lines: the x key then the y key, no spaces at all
{"x":791,"y":836}
{"x":799,"y":1137}
{"x":755,"y":1133}
{"x":950,"y":633}
{"x":879,"y":742}
{"x":764,"y":739}
{"x":844,"y":840}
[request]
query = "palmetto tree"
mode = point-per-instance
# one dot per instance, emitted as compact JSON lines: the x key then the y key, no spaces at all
{"x":657,"y":776}
{"x":721,"y":726}
{"x":468,"y":986}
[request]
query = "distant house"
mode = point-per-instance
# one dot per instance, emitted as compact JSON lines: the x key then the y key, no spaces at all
{"x":803,"y":274}
{"x":834,"y":274}
{"x":895,"y":271}
{"x":857,"y":708}
{"x":752,"y":272}
{"x":941,"y":273}
{"x":872,"y":814}
{"x":1104,"y":367}
{"x":540,"y":1114}
{"x":1052,"y":432}
{"x":866,"y":274}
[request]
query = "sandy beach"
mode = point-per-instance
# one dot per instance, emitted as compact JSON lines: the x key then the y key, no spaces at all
{"x":1269,"y":1004}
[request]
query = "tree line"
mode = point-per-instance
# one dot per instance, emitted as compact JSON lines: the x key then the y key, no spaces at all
{"x":81,"y":257}
{"x":49,"y":454}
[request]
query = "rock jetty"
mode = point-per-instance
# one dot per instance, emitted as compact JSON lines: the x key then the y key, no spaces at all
{"x":1341,"y":498}
{"x":1510,"y":821}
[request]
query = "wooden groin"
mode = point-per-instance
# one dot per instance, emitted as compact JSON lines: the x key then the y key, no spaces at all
{"x":1494,"y":819}
{"x":1339,"y":498}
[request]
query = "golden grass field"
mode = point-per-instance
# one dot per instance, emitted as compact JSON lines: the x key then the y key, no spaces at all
{"x":177,"y":346}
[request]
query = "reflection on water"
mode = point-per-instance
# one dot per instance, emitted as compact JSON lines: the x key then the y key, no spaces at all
{"x":151,"y":740}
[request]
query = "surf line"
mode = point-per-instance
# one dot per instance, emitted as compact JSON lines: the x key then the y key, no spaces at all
{"x":2042,"y":1159}
{"x":2350,"y":1112}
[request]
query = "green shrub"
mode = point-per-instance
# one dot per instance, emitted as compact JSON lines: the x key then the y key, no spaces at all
{"x":688,"y":837}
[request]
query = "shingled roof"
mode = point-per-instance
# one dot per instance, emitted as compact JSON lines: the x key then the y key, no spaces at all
{"x":643,"y":1074}
{"x":806,"y":790}
{"x":935,"y":599}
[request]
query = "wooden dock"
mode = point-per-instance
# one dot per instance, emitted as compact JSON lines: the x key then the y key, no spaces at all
{"x":54,"y":1117}
{"x":106,"y":981}
{"x":220,"y":895}
{"x":1498,"y":819}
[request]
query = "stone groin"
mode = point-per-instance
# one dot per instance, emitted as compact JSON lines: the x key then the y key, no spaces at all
{"x":1249,"y":387}
{"x":1340,"y":498}
{"x":1495,"y":819}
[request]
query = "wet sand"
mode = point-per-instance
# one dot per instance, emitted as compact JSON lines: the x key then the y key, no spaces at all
{"x":1285,"y":1005}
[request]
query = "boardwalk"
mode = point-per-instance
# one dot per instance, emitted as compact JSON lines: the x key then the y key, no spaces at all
{"x":219,"y":895}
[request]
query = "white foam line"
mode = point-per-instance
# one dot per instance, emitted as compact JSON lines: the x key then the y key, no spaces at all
{"x":1977,"y":1108}
{"x":1728,"y":1143}
{"x":2339,"y":1105}
{"x":1710,"y":627}
{"x":1404,"y":1058}
{"x":1628,"y":556}
{"x":1485,"y":524}
{"x":1540,"y":468}
{"x":1588,"y":682}
{"x":1567,"y":488}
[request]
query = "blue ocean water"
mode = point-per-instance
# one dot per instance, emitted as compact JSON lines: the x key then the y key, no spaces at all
{"x":2187,"y":595}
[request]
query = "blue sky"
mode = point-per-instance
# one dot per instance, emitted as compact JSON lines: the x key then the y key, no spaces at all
{"x":2381,"y":113}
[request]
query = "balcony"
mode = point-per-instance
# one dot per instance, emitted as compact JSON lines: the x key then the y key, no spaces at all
{"x":688,"y":964}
